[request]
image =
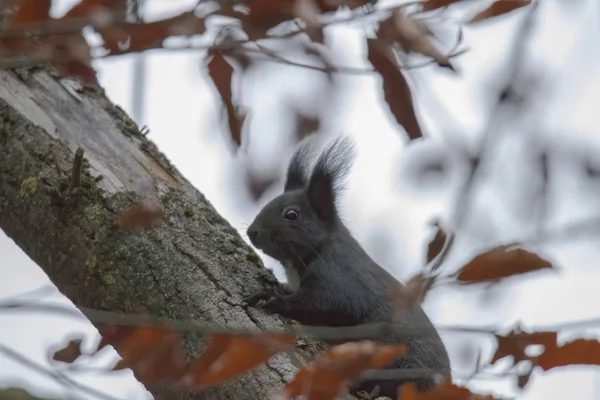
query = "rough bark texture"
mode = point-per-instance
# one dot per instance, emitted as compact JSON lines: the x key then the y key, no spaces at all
{"x":192,"y":266}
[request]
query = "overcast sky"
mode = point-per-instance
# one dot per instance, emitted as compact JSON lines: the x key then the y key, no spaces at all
{"x":391,"y":222}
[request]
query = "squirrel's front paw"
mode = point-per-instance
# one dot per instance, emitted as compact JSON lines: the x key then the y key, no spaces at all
{"x":253,"y":299}
{"x":275,"y":305}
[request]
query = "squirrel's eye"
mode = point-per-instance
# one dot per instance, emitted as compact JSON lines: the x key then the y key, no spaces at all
{"x":291,"y":214}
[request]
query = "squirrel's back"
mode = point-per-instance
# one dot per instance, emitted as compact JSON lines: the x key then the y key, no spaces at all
{"x":367,"y":290}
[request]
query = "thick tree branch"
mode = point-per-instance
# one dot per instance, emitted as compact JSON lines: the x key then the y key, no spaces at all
{"x":194,"y":266}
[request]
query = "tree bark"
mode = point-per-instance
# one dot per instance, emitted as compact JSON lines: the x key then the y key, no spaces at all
{"x":193,"y":265}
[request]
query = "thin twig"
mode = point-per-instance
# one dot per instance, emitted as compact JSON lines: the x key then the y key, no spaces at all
{"x":59,"y":377}
{"x":74,"y":25}
{"x":317,"y":332}
{"x":409,"y":373}
{"x":37,"y":293}
{"x":519,"y":52}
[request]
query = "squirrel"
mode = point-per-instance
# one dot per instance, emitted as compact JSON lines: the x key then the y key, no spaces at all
{"x":331,"y":279}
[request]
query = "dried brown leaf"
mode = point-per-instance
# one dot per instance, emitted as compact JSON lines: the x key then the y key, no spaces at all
{"x":305,"y":124}
{"x":523,"y":379}
{"x":332,"y":5}
{"x":221,"y":73}
{"x":407,"y":392}
{"x":499,"y":7}
{"x":501,"y":262}
{"x":264,"y":15}
{"x":406,"y":297}
{"x":78,"y":69}
{"x":437,"y":243}
{"x":30,"y":11}
{"x":258,"y":184}
{"x":228,"y":355}
{"x":516,"y":341}
{"x":88,"y":7}
{"x":429,"y":5}
{"x":308,"y":11}
{"x":152,"y":352}
{"x":135,"y":37}
{"x":578,"y":352}
{"x":69,"y":353}
{"x":142,"y":216}
{"x":413,"y":36}
{"x":328,"y":375}
{"x":71,"y":56}
{"x":8,"y":8}
{"x":68,"y":52}
{"x":396,"y":91}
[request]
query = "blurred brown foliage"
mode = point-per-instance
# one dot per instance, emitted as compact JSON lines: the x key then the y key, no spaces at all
{"x":30,"y":36}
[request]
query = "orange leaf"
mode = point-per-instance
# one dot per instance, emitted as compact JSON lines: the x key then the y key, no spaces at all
{"x":332,"y":5}
{"x":578,"y":352}
{"x":500,"y":263}
{"x":153,"y":353}
{"x":69,"y":353}
{"x":142,"y":216}
{"x":262,"y":16}
{"x":499,"y":7}
{"x":134,"y":37}
{"x":221,"y":73}
{"x":412,"y":36}
{"x":309,"y":11}
{"x":515,"y":343}
{"x":407,"y":392}
{"x":523,"y":379}
{"x":405,"y":298}
{"x":257,"y":184}
{"x":305,"y":124}
{"x":395,"y":88}
{"x":327,"y":376}
{"x":71,"y":56}
{"x":78,"y":69}
{"x":228,"y":355}
{"x":430,"y":5}
{"x":68,"y":52}
{"x":437,"y":243}
{"x":30,"y":11}
{"x":87,"y":7}
{"x":269,"y":7}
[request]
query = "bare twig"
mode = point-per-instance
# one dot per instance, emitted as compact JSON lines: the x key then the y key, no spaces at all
{"x":519,"y":53}
{"x":37,"y":293}
{"x":74,"y":25}
{"x":405,"y":374}
{"x":317,"y":332}
{"x":59,"y":377}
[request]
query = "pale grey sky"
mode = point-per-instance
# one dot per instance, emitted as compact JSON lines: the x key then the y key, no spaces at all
{"x":182,"y":115}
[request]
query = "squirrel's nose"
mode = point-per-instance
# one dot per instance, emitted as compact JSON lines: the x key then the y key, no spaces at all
{"x":252,"y":233}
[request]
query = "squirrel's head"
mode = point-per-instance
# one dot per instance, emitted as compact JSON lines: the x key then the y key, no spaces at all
{"x":299,"y":222}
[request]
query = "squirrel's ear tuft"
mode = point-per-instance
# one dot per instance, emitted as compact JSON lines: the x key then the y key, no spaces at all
{"x":327,"y":178}
{"x":300,"y":164}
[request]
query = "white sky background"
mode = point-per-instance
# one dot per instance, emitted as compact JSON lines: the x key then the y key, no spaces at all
{"x":182,"y":114}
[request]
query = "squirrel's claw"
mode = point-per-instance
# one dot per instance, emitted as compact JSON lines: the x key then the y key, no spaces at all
{"x":253,"y":299}
{"x":275,"y":305}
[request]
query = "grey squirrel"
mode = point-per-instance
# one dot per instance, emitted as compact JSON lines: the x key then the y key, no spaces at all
{"x":332,"y":281}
